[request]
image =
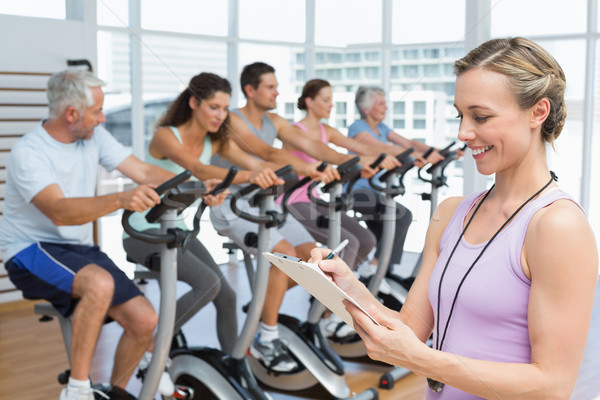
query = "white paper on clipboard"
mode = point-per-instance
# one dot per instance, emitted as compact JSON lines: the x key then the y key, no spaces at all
{"x":314,"y":280}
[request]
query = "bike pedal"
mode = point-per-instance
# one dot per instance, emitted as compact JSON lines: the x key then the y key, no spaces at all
{"x":183,"y":392}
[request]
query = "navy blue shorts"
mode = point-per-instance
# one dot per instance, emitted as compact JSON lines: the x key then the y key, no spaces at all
{"x":46,"y":271}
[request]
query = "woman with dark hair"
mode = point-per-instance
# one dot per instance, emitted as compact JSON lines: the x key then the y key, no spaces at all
{"x":509,"y":274}
{"x":193,"y":129}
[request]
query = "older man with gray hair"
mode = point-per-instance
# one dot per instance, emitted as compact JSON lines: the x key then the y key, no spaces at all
{"x":46,"y":230}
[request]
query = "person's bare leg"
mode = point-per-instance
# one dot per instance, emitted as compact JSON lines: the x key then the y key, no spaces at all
{"x":277,"y":286}
{"x":138,"y":319}
{"x":94,"y":288}
{"x":303,"y":250}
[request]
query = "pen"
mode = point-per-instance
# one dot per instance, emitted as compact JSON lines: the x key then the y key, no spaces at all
{"x":336,"y":250}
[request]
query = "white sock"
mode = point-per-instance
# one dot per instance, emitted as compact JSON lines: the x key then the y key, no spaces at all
{"x":267,"y":333}
{"x":77,"y":384}
{"x":145,"y":360}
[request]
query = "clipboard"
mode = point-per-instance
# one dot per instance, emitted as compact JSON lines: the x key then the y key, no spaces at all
{"x":314,"y":280}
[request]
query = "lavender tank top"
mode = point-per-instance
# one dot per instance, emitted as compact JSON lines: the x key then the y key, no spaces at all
{"x":489,"y":321}
{"x":301,"y":195}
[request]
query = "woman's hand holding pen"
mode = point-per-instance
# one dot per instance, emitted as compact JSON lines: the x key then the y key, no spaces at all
{"x":339,"y":271}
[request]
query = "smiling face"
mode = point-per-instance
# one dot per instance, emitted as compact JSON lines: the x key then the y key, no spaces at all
{"x":82,"y":124}
{"x":322,"y":104}
{"x":378,"y":109}
{"x":497,"y":131}
{"x":212,"y":112}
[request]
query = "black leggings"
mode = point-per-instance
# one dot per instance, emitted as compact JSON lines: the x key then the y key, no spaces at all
{"x":197,"y":268}
{"x":371,"y":206}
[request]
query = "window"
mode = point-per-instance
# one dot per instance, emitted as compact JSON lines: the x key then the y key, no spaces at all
{"x":118,"y":117}
{"x":356,"y":14}
{"x":411,"y":54}
{"x":449,"y":70}
{"x":395,"y":73}
{"x":340,"y":107}
{"x":372,"y":55}
{"x":289,"y":108}
{"x":353,"y":73}
{"x":341,"y":123}
{"x":396,"y":55}
{"x":320,"y":58}
{"x":335,"y":58}
{"x":454,"y":52}
{"x":441,"y":21}
{"x":399,"y":123}
{"x":300,"y":58}
{"x":399,"y":108}
{"x":55,"y":9}
{"x":300,"y":75}
{"x":432,"y":71}
{"x":436,"y":87}
{"x":353,"y":57}
{"x":372,"y":72}
{"x":420,"y":108}
{"x":431,"y":53}
{"x":169,"y":65}
{"x":268,"y":19}
{"x":335,"y":74}
{"x":112,"y":13}
{"x":507,"y":22}
{"x":114,"y":62}
{"x":419,"y":123}
{"x":410,"y":71}
{"x":187,"y":16}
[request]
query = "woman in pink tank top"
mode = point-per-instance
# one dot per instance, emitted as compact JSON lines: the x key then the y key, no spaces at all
{"x":316,"y":100}
{"x":509,"y":275}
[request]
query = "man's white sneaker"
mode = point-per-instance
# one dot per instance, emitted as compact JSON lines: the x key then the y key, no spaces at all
{"x":86,"y":393}
{"x":166,"y":387}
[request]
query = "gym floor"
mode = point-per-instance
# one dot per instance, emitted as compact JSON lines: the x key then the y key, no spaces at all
{"x":32,"y":353}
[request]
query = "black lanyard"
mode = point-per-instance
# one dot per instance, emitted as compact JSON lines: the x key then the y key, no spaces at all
{"x":433,"y":384}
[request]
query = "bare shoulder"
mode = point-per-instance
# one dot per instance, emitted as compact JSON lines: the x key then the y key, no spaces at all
{"x":557,"y":219}
{"x":559,"y":237}
{"x":439,"y":221}
{"x":446,"y":209}
{"x":278,"y":120}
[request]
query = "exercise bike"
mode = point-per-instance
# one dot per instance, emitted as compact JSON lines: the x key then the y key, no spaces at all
{"x":318,"y":365}
{"x":437,"y":180}
{"x":208,"y":372}
{"x":174,"y":201}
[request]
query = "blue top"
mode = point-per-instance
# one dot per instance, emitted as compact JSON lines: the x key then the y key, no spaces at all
{"x":362,"y":126}
{"x":138,"y":220}
{"x":36,"y":161}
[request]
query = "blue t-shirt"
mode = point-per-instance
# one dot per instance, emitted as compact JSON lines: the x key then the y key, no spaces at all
{"x":362,"y":126}
{"x":36,"y":161}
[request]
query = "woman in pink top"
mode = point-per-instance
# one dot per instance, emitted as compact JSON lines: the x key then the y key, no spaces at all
{"x":509,"y":274}
{"x":316,"y":100}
